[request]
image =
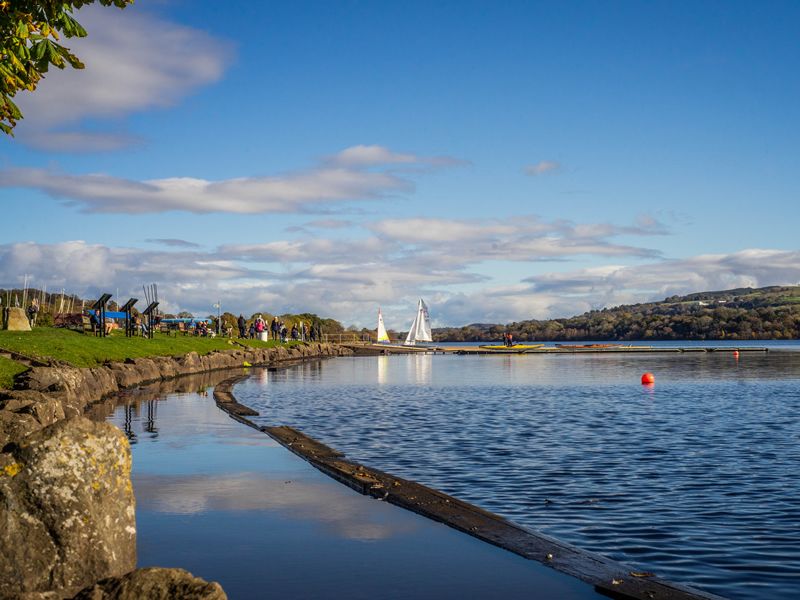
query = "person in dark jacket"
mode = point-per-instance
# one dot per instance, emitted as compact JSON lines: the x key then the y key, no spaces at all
{"x":242,"y":325}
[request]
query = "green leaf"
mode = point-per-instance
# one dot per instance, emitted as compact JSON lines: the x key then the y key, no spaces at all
{"x":39,"y":50}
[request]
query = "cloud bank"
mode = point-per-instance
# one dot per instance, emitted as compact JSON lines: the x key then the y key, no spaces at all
{"x":329,"y":182}
{"x":451,"y":263}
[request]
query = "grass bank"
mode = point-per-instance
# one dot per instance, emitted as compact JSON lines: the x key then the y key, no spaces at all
{"x":8,"y":370}
{"x":83,"y":350}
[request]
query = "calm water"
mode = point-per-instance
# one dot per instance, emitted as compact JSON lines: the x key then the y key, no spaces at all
{"x":696,"y":478}
{"x":228,"y":504}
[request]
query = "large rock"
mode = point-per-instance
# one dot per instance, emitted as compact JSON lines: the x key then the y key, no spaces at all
{"x":153,"y":583}
{"x":66,"y":508}
{"x":24,"y":411}
{"x":74,"y":387}
{"x":16,"y":320}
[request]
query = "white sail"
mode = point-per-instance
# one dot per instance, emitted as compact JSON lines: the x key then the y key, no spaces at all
{"x":421,"y":327}
{"x":382,"y":335}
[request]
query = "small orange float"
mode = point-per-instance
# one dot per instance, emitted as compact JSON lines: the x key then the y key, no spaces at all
{"x":648,"y":378}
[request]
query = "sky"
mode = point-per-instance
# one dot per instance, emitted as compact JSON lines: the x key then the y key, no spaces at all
{"x":502,"y":160}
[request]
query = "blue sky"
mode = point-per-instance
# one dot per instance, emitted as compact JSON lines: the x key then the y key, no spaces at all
{"x":502,"y":160}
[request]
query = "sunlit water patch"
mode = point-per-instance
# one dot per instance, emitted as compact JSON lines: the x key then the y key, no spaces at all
{"x":695,"y":478}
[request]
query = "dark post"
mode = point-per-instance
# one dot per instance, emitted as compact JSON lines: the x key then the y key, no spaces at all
{"x":129,"y":328}
{"x":149,"y":313}
{"x":100,"y":307}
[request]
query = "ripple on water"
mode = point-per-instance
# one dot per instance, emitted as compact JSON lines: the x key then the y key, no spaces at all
{"x":695,"y":479}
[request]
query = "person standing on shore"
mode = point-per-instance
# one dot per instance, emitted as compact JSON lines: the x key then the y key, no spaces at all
{"x":242,"y":325}
{"x":275,"y":328}
{"x":33,"y":310}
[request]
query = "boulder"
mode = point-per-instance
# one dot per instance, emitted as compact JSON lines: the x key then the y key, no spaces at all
{"x":66,"y":508}
{"x":74,"y":387}
{"x":189,"y":363}
{"x":153,"y":583}
{"x":24,"y":411}
{"x":16,"y":320}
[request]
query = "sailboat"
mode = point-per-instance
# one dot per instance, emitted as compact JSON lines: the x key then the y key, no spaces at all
{"x":421,"y":327}
{"x":383,"y":337}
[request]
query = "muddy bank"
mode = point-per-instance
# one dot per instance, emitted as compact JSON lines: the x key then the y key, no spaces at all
{"x":609,"y":577}
{"x":62,"y":475}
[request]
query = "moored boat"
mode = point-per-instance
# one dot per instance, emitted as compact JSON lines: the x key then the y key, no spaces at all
{"x":587,"y":346}
{"x":421,"y":327}
{"x":514,"y":347}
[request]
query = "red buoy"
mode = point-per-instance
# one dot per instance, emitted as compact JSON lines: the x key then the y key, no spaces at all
{"x":648,"y":378}
{"x":735,"y":354}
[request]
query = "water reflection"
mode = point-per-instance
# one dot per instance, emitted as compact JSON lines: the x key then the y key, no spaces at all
{"x":694,"y":477}
{"x":383,"y":369}
{"x":420,"y":368}
{"x":130,"y":410}
{"x":322,"y":503}
{"x":228,"y":504}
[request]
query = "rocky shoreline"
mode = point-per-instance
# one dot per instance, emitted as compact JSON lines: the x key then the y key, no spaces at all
{"x":67,"y":510}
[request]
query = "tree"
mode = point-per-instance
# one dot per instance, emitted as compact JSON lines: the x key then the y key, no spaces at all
{"x":30,"y":31}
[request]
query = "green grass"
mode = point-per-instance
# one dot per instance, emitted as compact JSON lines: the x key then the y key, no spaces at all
{"x":8,"y":370}
{"x":86,"y":350}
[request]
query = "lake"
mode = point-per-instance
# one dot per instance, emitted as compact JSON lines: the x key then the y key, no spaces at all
{"x":694,"y":478}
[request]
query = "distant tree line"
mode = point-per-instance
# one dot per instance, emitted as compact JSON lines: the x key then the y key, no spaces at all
{"x":745,"y":314}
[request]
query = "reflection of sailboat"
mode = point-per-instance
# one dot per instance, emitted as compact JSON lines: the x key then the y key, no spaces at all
{"x":383,"y":369}
{"x":421,"y":327}
{"x":383,"y":337}
{"x":422,"y":368}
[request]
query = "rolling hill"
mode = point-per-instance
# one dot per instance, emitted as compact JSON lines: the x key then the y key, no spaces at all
{"x":738,"y":314}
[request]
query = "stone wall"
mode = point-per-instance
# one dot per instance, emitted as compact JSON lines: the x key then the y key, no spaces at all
{"x":44,"y":395}
{"x":66,"y":500}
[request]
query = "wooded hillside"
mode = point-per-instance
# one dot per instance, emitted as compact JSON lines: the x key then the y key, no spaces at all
{"x":739,"y":314}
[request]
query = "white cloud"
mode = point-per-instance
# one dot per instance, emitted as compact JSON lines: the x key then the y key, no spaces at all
{"x":542,"y":167}
{"x":174,"y":242}
{"x":515,"y":239}
{"x":612,"y":285}
{"x":365,"y":156}
{"x":134,"y":61}
{"x":300,"y":191}
{"x":348,"y":280}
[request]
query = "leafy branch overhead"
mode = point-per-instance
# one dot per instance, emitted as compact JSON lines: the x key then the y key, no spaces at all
{"x":31,"y":32}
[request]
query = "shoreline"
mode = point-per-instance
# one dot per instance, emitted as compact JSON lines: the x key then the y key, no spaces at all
{"x":607,"y":576}
{"x":69,"y":528}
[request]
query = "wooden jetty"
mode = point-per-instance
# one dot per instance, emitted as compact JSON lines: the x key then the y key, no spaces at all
{"x":371,"y":349}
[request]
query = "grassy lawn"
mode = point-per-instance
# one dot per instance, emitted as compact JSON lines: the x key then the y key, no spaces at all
{"x":84,"y":350}
{"x":8,"y":370}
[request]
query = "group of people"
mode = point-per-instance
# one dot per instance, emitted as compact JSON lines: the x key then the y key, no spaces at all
{"x":277,"y":330}
{"x":508,"y":339}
